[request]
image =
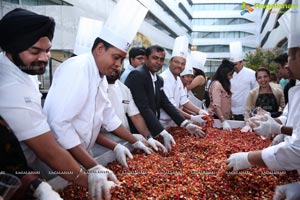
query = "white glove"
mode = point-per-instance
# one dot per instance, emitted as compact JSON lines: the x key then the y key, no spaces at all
{"x":277,"y":139}
{"x":289,"y":191}
{"x":246,"y":128}
{"x":121,"y":153}
{"x":269,"y":127}
{"x":195,"y":130}
{"x":141,"y":146}
{"x":238,"y":161}
{"x":140,"y":138}
{"x":203,"y":112}
{"x":45,"y":192}
{"x":198,"y":118}
{"x":100,"y":181}
{"x":156,"y":145}
{"x":168,"y":139}
{"x":226,"y":126}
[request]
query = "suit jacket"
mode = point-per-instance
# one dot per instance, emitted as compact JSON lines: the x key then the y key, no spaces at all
{"x":140,"y":83}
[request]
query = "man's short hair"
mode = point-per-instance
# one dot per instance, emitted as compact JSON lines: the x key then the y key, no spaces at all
{"x":99,"y":40}
{"x":281,"y":59}
{"x":153,"y":48}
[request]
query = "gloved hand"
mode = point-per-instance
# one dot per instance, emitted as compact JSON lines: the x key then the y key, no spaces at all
{"x":277,"y":139}
{"x":100,"y":180}
{"x":198,"y":118}
{"x":168,"y":139}
{"x":203,"y":112}
{"x":269,"y":127}
{"x":246,"y":128}
{"x":238,"y":161}
{"x":140,"y":145}
{"x":226,"y":126}
{"x":45,"y":192}
{"x":289,"y":191}
{"x":121,"y":153}
{"x":156,"y":145}
{"x":195,"y":130}
{"x":140,"y":138}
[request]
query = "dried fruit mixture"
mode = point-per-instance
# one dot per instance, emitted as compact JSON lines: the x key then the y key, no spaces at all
{"x":194,"y":169}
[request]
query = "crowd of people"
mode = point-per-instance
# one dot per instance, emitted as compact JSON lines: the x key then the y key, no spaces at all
{"x":90,"y":99}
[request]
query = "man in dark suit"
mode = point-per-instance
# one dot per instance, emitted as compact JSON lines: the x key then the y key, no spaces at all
{"x":148,"y":94}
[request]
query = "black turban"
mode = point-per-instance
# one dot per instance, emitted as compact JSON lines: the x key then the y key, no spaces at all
{"x":20,"y":29}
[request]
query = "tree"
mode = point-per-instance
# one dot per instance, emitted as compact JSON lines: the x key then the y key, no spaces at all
{"x":262,"y":58}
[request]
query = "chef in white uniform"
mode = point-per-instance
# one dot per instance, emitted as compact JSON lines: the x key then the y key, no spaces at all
{"x":174,"y":88}
{"x":242,"y":82}
{"x":77,"y":104}
{"x":285,"y":155}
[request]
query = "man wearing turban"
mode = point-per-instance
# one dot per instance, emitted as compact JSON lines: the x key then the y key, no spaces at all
{"x":25,"y":39}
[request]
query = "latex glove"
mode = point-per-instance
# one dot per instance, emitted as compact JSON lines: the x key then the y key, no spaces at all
{"x":198,"y":118}
{"x":141,"y":146}
{"x":195,"y":130}
{"x":45,"y":192}
{"x":277,"y":139}
{"x":203,"y":112}
{"x":289,"y":191}
{"x":168,"y":139}
{"x":238,"y":161}
{"x":269,"y":127}
{"x":121,"y":153}
{"x":226,"y":126}
{"x":140,"y":138}
{"x":156,"y":145}
{"x":246,"y":128}
{"x":100,"y":181}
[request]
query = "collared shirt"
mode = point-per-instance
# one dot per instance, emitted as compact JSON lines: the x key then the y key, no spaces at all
{"x":77,"y":104}
{"x":121,"y":99}
{"x":175,"y":92}
{"x":241,"y":84}
{"x":286,"y":155}
{"x":126,"y":73}
{"x":20,"y":104}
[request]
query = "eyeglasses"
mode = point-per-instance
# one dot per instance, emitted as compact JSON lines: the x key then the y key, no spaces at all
{"x":179,"y":63}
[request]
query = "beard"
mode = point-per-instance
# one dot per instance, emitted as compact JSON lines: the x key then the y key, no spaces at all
{"x":35,"y":68}
{"x":111,"y":79}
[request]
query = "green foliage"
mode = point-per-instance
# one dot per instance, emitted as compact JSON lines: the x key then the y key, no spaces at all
{"x":262,"y":58}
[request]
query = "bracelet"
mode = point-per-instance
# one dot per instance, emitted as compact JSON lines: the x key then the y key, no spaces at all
{"x":77,"y":176}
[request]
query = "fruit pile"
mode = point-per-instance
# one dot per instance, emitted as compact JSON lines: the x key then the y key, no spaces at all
{"x":196,"y":169}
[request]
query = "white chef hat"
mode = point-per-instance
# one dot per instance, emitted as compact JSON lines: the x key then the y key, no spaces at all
{"x":198,"y":59}
{"x":181,"y":47}
{"x":236,"y":51}
{"x":294,"y":35}
{"x":88,"y":31}
{"x":188,"y":66}
{"x":123,"y":23}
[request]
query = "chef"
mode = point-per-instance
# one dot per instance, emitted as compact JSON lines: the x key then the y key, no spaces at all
{"x":174,"y":88}
{"x":77,"y":104}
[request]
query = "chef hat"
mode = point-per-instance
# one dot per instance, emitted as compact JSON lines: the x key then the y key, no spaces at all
{"x":236,"y":51}
{"x":284,"y":21}
{"x":198,"y":59}
{"x":88,"y":31}
{"x":188,"y":66}
{"x":181,"y":47}
{"x":294,"y":36}
{"x":123,"y":23}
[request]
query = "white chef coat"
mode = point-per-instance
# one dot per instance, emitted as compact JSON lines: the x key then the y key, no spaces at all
{"x":286,"y":155}
{"x":121,"y":99}
{"x":175,"y":92}
{"x":77,"y":104}
{"x":20,"y":104}
{"x":241,"y":84}
{"x":126,"y":73}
